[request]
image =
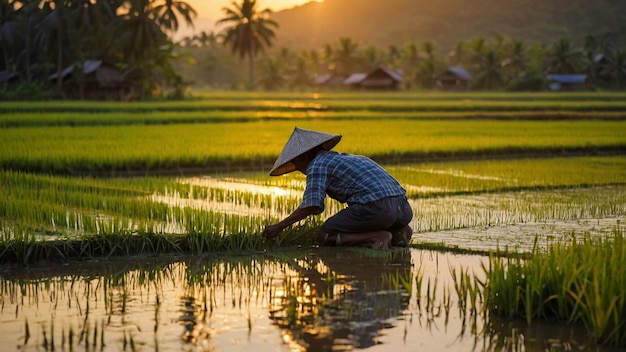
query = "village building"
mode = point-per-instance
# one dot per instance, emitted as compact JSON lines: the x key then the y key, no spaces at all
{"x":566,"y":82}
{"x":354,"y":80}
{"x":382,"y":78}
{"x":600,"y":68}
{"x":9,"y":79}
{"x":454,"y":78}
{"x":329,"y":79}
{"x":93,"y":79}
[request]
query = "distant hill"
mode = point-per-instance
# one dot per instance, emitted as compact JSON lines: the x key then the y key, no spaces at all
{"x":445,"y":22}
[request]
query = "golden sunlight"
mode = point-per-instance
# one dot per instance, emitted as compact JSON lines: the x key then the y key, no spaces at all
{"x":213,"y":9}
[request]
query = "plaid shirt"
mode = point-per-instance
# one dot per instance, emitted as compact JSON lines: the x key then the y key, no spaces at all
{"x":347,"y":178}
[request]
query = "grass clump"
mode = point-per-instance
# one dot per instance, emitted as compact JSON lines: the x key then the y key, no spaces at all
{"x":581,"y":281}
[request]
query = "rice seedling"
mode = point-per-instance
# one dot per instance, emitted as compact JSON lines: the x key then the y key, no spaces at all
{"x":59,"y":215}
{"x":580,"y":281}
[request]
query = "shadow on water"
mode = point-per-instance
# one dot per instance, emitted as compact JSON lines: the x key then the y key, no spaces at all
{"x":316,"y":299}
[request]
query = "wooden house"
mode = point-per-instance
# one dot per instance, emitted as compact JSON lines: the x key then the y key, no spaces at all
{"x":454,"y":78}
{"x":382,"y":78}
{"x":94,"y":80}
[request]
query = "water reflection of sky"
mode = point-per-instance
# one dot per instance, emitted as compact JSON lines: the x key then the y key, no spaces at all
{"x":315,"y":299}
{"x":470,"y":221}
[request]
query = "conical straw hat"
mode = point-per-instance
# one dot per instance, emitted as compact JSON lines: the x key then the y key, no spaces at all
{"x":300,"y":142}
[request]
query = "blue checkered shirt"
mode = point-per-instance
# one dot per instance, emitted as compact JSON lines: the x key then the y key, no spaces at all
{"x":347,"y":178}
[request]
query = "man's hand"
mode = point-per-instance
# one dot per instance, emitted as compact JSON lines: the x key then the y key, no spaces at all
{"x":272,"y":231}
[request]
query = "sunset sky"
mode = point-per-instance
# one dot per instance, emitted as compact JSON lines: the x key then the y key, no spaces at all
{"x":213,"y":8}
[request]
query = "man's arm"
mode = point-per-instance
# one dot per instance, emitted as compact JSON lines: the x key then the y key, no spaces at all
{"x":274,"y":230}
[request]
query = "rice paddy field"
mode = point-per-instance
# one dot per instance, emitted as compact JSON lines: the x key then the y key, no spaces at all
{"x":136,"y":226}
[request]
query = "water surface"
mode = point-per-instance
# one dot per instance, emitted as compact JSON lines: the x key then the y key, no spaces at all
{"x":315,"y":299}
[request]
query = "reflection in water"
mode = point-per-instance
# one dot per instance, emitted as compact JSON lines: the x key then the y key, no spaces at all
{"x":320,"y":299}
{"x":340,"y":300}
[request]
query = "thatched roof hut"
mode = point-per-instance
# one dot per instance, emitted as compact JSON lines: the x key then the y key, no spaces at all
{"x":454,"y":78}
{"x":93,"y":79}
{"x":382,"y":78}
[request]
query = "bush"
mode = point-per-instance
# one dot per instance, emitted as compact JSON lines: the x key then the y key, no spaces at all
{"x":28,"y":91}
{"x":531,"y":81}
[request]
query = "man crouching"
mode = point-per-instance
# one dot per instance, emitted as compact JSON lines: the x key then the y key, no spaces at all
{"x":378,"y":213}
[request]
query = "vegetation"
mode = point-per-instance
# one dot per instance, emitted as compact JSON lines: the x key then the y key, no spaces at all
{"x":47,"y":217}
{"x":580,"y":281}
{"x":40,"y":38}
{"x":248,"y":32}
{"x":42,"y":41}
{"x":495,"y":64}
{"x":245,"y":131}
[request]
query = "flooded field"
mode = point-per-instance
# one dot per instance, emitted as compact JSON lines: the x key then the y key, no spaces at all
{"x":304,"y":298}
{"x":312,"y":299}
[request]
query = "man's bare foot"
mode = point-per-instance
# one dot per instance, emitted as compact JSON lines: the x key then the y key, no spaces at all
{"x":402,"y":236}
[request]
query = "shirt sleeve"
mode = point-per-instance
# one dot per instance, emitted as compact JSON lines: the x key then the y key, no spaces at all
{"x":315,"y":191}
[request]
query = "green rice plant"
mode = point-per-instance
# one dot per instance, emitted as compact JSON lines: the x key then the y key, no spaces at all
{"x":581,"y":281}
{"x":468,"y":291}
{"x":433,"y":179}
{"x":500,"y":209}
{"x":125,"y":118}
{"x":19,"y":245}
{"x":61,"y":210}
{"x":388,"y":101}
{"x":114,"y":150}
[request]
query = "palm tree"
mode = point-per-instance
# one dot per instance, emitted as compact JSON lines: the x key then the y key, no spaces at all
{"x":616,"y":68}
{"x":271,"y":75}
{"x":410,"y":64}
{"x":9,"y":35}
{"x":428,"y":66}
{"x":458,"y":56}
{"x":393,"y":56}
{"x":489,"y":76}
{"x":139,"y":40}
{"x":315,"y":61}
{"x":372,"y":57}
{"x":205,"y":39}
{"x":300,"y":71}
{"x":597,"y":52}
{"x":51,"y":31}
{"x":166,"y":14}
{"x":515,"y":62}
{"x":564,"y":58}
{"x":345,"y":55}
{"x":477,"y":49}
{"x":248,"y":31}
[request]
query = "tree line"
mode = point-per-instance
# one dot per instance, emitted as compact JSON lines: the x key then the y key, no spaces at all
{"x":42,"y":37}
{"x":500,"y":63}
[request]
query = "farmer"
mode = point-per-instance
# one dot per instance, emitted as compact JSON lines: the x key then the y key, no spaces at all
{"x":377,"y":215}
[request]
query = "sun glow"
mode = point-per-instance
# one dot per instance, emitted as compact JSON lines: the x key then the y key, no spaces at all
{"x":213,"y":9}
